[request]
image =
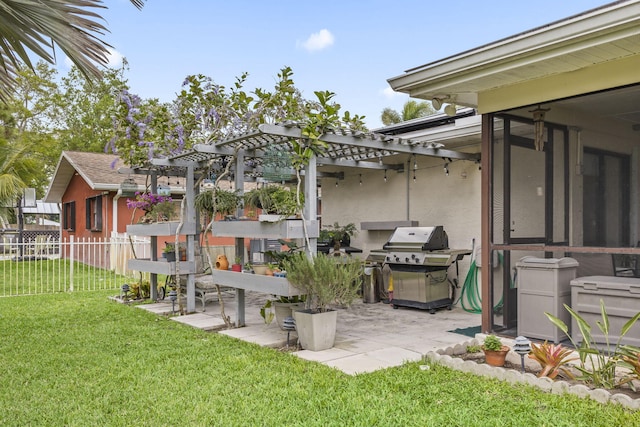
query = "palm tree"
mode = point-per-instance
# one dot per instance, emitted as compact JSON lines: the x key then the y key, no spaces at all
{"x":17,"y":170}
{"x":411,"y":110}
{"x":38,"y":26}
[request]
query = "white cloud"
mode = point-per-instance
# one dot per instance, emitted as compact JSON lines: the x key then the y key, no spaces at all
{"x":390,"y":93}
{"x":318,"y":41}
{"x":114,"y":59}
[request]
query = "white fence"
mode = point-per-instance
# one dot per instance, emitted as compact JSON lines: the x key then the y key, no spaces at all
{"x":46,"y":266}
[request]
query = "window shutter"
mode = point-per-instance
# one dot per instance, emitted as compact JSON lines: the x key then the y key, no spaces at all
{"x":72,"y":226}
{"x":87,"y":214}
{"x":99,"y":213}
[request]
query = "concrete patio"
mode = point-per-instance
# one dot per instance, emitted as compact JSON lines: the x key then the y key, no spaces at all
{"x":368,"y":337}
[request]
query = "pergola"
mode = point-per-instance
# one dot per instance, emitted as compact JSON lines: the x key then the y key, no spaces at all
{"x":247,"y":151}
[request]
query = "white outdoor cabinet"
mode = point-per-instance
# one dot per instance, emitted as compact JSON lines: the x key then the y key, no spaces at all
{"x":621,"y":297}
{"x":544,"y":285}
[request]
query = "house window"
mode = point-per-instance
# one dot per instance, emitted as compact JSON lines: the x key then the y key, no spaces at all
{"x":94,"y":213}
{"x":69,"y":216}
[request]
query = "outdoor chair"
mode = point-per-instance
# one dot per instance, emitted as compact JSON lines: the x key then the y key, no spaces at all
{"x":8,"y":247}
{"x":41,"y":245}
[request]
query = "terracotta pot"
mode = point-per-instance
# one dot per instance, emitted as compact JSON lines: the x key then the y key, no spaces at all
{"x":496,"y":358}
{"x":236,"y":267}
{"x":222,"y":263}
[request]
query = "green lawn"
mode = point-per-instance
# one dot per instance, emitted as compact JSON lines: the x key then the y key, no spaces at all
{"x":47,"y":276}
{"x":81,"y":360}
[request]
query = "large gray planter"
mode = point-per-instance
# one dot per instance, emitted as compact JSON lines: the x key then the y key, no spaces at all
{"x":284,"y":310}
{"x":316,"y":331}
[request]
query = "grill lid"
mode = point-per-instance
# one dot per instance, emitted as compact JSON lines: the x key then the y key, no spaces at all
{"x":418,"y":239}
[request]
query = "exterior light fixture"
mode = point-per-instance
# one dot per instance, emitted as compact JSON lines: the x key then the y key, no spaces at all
{"x":124,"y":292}
{"x":522,"y":346}
{"x":173,"y":296}
{"x":288,"y":324}
{"x":450,"y":110}
{"x":437,"y":103}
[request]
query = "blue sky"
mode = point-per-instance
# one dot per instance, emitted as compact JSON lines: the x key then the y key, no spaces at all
{"x":347,"y":47}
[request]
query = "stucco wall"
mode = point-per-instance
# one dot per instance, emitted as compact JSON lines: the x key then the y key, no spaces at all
{"x":452,"y":201}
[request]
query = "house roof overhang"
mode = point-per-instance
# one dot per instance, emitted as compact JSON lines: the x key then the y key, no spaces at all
{"x":98,"y":170}
{"x":596,"y":50}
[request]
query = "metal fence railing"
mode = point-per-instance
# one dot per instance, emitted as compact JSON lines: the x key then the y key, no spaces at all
{"x":45,"y":265}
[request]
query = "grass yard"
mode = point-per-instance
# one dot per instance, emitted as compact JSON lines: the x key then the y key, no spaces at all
{"x":53,"y":275}
{"x":81,"y":360}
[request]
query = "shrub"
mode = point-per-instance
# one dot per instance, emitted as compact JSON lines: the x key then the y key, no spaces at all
{"x":601,"y":369}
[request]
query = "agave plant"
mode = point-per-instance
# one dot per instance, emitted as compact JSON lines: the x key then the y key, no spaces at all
{"x":551,"y":357}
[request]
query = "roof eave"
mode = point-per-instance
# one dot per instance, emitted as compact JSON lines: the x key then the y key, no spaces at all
{"x":457,"y":76}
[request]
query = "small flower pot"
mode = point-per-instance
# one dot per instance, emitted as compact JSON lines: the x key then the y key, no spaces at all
{"x":170,"y":256}
{"x":496,"y":357}
{"x":236,"y":267}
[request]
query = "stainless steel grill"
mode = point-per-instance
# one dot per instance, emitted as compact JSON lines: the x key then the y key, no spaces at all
{"x":419,"y":259}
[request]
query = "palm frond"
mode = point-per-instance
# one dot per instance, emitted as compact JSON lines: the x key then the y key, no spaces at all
{"x":38,"y":27}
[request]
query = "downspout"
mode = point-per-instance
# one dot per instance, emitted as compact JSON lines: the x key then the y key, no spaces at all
{"x":114,"y":215}
{"x":408,"y":188}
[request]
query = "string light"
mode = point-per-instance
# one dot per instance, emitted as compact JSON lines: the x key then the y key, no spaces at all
{"x":414,"y":175}
{"x":446,"y":169}
{"x":336,"y":182}
{"x":385,"y":175}
{"x":361,"y":180}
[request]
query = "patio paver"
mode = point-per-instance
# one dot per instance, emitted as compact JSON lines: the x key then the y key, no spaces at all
{"x":368,"y":336}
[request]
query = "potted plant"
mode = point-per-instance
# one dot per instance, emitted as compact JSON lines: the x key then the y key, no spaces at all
{"x":237,"y":265}
{"x":323,"y":281}
{"x":155,"y":207}
{"x":495,"y":352}
{"x":336,"y":236}
{"x":225,"y":202}
{"x":285,"y":306}
{"x":276,"y":202}
{"x":169,"y":252}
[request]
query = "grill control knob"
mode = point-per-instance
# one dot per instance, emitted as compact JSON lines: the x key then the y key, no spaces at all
{"x":417,"y":261}
{"x":397,"y":258}
{"x":406,"y":259}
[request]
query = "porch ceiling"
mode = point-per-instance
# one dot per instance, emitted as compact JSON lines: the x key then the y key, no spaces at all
{"x":599,"y":36}
{"x":344,"y":148}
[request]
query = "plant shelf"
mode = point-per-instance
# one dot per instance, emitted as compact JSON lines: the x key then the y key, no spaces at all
{"x":160,"y":267}
{"x":168,"y":228}
{"x":287,"y":229}
{"x":255,"y":282}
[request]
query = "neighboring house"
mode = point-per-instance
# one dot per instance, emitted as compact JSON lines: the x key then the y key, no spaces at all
{"x":88,"y":188}
{"x":560,"y":154}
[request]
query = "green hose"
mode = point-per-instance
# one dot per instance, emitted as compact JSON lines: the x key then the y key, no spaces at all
{"x":470,"y":296}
